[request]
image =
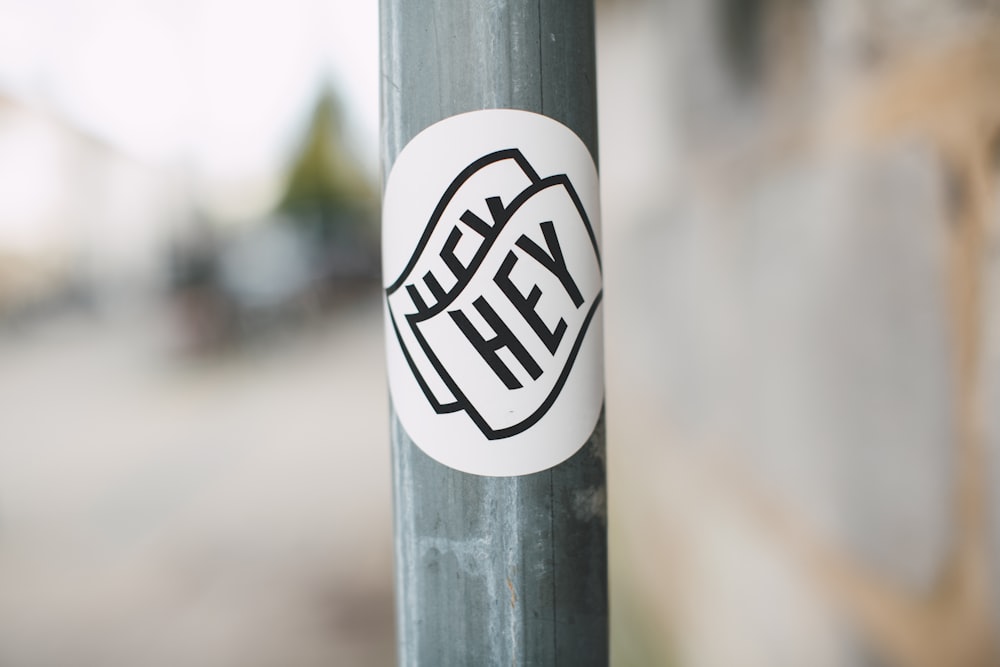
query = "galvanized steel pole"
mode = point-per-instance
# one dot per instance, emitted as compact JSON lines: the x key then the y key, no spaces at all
{"x":494,"y":570}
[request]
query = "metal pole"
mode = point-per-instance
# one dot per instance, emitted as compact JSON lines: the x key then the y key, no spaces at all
{"x":494,"y":570}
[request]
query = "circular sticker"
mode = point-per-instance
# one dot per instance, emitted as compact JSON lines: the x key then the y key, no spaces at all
{"x":492,"y":275}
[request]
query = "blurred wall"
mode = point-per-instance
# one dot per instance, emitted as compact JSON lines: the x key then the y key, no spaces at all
{"x":803,"y":344}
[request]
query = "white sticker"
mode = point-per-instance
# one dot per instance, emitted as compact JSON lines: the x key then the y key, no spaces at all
{"x":492,"y":275}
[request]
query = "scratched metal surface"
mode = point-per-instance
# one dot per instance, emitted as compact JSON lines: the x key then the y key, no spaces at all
{"x":494,"y":571}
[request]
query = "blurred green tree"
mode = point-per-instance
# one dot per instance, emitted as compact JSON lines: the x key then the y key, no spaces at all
{"x":327,"y":193}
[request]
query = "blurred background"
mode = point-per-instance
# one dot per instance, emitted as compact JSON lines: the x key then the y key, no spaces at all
{"x":803,"y":333}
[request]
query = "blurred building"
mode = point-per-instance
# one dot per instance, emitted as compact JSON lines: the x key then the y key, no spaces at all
{"x":76,"y":213}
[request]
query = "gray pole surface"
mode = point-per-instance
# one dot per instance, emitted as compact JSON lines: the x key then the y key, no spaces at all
{"x":494,"y":570}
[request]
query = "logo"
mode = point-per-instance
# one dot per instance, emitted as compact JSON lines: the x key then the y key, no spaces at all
{"x":495,"y":304}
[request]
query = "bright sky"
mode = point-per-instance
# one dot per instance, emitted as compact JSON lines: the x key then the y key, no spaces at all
{"x":220,"y":86}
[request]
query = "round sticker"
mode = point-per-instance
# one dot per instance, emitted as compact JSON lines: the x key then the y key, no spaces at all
{"x":493,"y":292}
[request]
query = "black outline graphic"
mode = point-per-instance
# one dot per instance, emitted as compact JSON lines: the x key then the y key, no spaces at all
{"x":446,"y":298}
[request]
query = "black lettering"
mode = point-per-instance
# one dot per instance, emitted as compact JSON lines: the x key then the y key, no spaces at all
{"x":434,"y":286}
{"x":555,"y":263}
{"x":418,"y":300}
{"x":476,"y":224}
{"x":480,"y":226}
{"x":448,"y":254}
{"x":488,"y":348}
{"x":526,"y":305}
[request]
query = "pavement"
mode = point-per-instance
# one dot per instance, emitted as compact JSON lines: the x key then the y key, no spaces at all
{"x":163,"y":509}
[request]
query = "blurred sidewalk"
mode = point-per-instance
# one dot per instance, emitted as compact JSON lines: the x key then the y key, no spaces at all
{"x":157,"y":510}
